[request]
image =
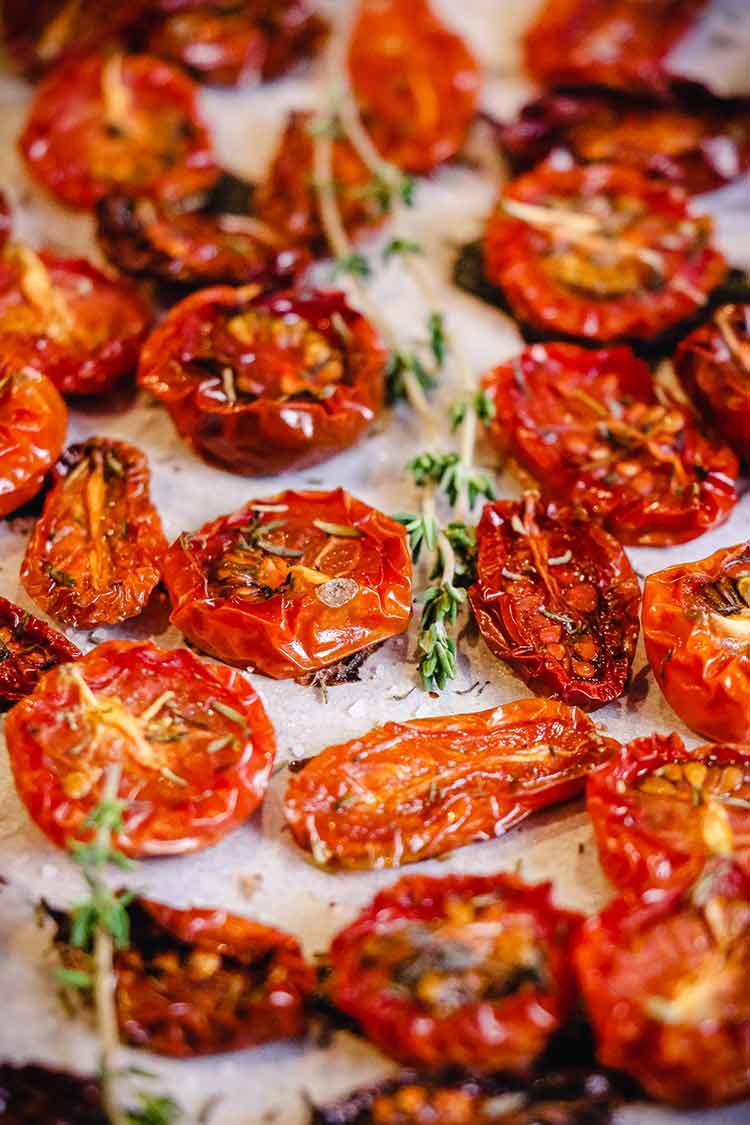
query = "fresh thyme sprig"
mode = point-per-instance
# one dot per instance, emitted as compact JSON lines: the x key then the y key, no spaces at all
{"x":451,"y":476}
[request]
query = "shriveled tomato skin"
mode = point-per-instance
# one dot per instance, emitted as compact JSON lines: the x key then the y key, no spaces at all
{"x":269,"y":433}
{"x":576,"y":396}
{"x":405,"y":792}
{"x":95,"y":553}
{"x":6,"y":220}
{"x":590,"y":588}
{"x":163,"y":816}
{"x":507,"y":1033}
{"x":416,"y":81}
{"x":28,"y":647}
{"x":288,"y":635}
{"x":51,"y":32}
{"x":36,"y":1095}
{"x":33,"y":422}
{"x":63,"y":137}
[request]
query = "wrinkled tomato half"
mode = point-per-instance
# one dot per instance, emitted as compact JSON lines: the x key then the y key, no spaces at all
{"x":616,"y":43}
{"x":95,"y":553}
{"x":660,"y":811}
{"x":591,"y":430}
{"x":408,"y":791}
{"x":81,"y":327}
{"x":557,"y":598}
{"x":696,"y":625}
{"x":468,"y":970}
{"x":117,"y":122}
{"x":667,"y":990}
{"x":28,"y":647}
{"x":33,"y":422}
{"x":36,"y":1095}
{"x":291,"y":584}
{"x":266,"y":385}
{"x":713,"y":364}
{"x":6,"y":220}
{"x":416,"y":81}
{"x":600,"y":252}
{"x":192,"y":741}
{"x":49,"y":32}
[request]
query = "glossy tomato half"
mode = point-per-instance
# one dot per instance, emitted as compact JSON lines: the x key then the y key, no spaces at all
{"x":696,"y":625}
{"x":33,"y":422}
{"x":600,"y":252}
{"x":591,"y":430}
{"x":28,"y":647}
{"x":291,"y":584}
{"x":192,"y":740}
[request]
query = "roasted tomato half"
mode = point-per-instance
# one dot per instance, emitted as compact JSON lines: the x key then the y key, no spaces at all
{"x":416,"y":81}
{"x":33,"y":421}
{"x":265,"y":385}
{"x":95,"y":554}
{"x":408,"y":791}
{"x":713,"y":363}
{"x":557,"y":598}
{"x":468,"y":970}
{"x":590,"y":429}
{"x":48,"y":32}
{"x":191,"y":739}
{"x":6,"y":220}
{"x":36,"y":1095}
{"x":292,"y":584}
{"x":696,"y":625}
{"x":660,"y":811}
{"x":28,"y":647}
{"x":117,"y":122}
{"x":82,"y":328}
{"x":667,"y":989}
{"x":600,"y":253}
{"x":616,"y":43}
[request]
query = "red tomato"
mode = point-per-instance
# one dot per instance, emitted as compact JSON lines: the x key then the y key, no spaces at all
{"x":33,"y":421}
{"x":714,"y":365}
{"x":408,"y":791}
{"x":48,"y":32}
{"x":468,"y":970}
{"x":28,"y":647}
{"x":696,"y":625}
{"x":117,"y":122}
{"x":192,"y":740}
{"x":417,"y":82}
{"x":600,"y":252}
{"x":95,"y":554}
{"x":590,"y":429}
{"x":557,"y":598}
{"x":666,"y":985}
{"x":81,"y":327}
{"x":265,"y":385}
{"x":291,"y":584}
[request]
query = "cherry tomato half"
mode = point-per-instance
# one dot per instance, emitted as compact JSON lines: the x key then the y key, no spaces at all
{"x":38,"y":1095}
{"x":468,"y":970}
{"x":590,"y":429}
{"x":696,"y":625}
{"x":263,"y":385}
{"x":600,"y":252}
{"x":291,"y":584}
{"x":117,"y":122}
{"x":408,"y":791}
{"x":557,"y":598}
{"x":33,"y":421}
{"x":49,"y":32}
{"x":6,"y":220}
{"x":192,"y":740}
{"x":95,"y":554}
{"x":28,"y":647}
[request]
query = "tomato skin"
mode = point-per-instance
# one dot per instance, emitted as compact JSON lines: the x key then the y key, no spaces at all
{"x":291,"y":634}
{"x":33,"y":422}
{"x":429,"y":786}
{"x":60,"y":781}
{"x":263,"y":432}
{"x":417,"y":82}
{"x":596,"y":590}
{"x":48,"y":1097}
{"x":52,"y":32}
{"x":699,"y":653}
{"x":28,"y":647}
{"x":68,"y":149}
{"x":585,"y":399}
{"x":95,"y":554}
{"x":521,"y":1019}
{"x":519,"y":258}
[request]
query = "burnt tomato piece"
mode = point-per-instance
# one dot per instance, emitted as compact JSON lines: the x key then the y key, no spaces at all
{"x":49,"y":32}
{"x":192,"y":740}
{"x":591,"y":430}
{"x":33,"y":421}
{"x":28,"y":647}
{"x":107,"y":122}
{"x":36,"y":1095}
{"x":95,"y":554}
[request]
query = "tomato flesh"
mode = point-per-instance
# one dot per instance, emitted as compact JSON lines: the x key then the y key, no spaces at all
{"x":28,"y":647}
{"x":33,"y":422}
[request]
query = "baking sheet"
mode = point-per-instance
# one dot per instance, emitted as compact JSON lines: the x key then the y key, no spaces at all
{"x":275,"y":1084}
